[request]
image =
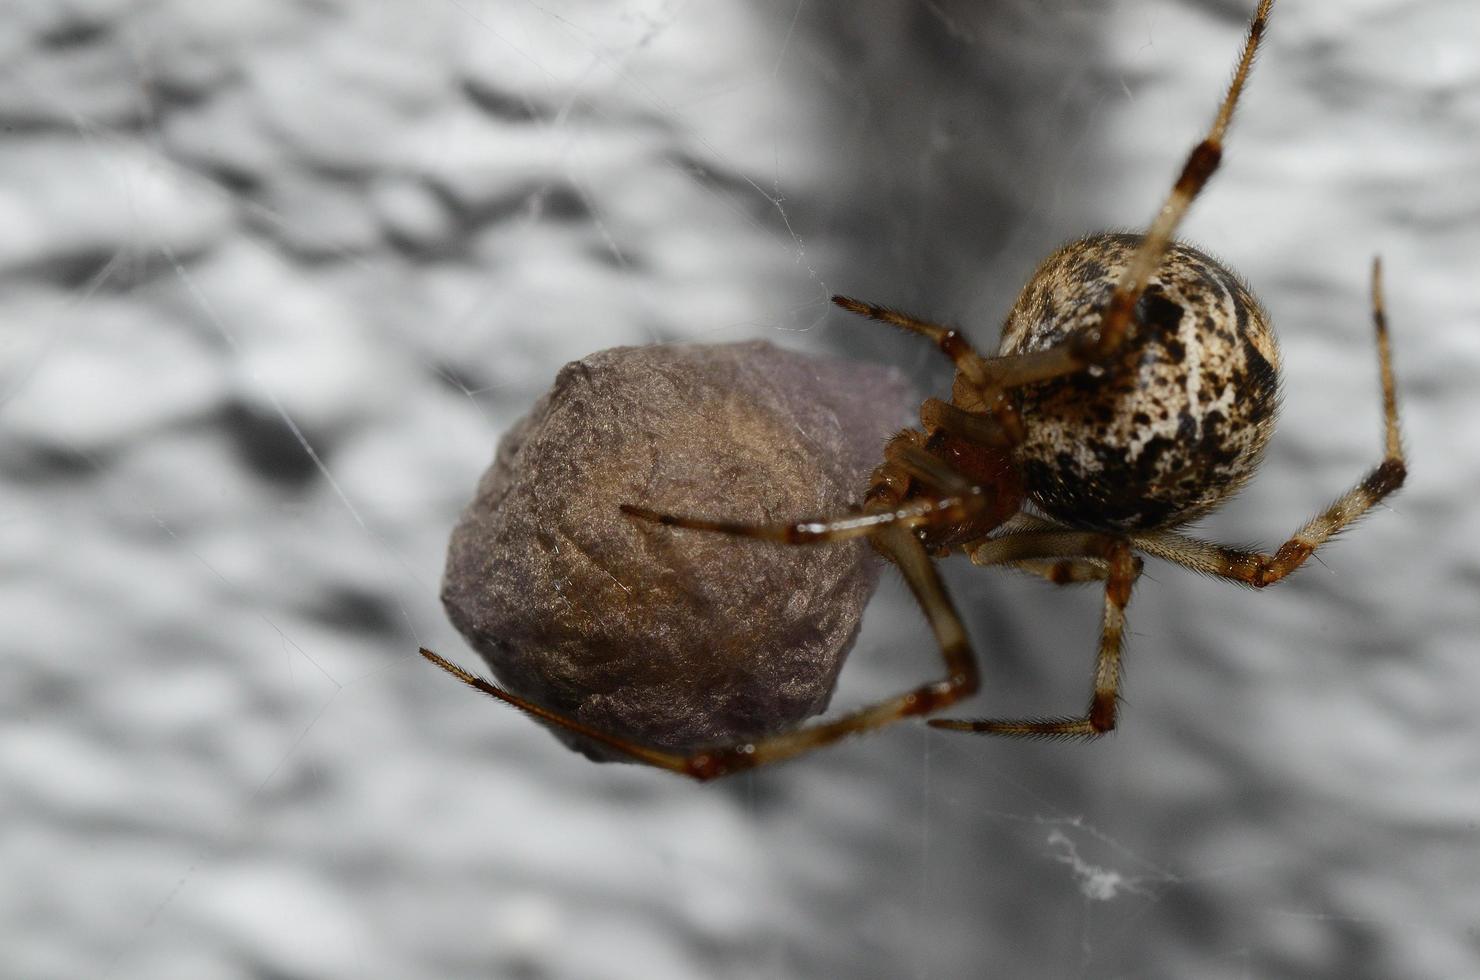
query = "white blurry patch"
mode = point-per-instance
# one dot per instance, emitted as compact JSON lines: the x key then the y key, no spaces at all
{"x":293,"y":342}
{"x":258,"y":910}
{"x":527,"y":928}
{"x":114,"y":196}
{"x":105,"y":372}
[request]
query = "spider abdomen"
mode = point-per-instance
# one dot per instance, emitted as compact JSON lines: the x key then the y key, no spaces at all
{"x":1177,"y":422}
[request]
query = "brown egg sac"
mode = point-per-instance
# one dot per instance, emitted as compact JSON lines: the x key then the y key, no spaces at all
{"x":1173,"y":426}
{"x":674,"y":638}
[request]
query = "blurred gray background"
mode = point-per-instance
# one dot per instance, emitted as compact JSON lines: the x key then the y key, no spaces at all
{"x":275,"y":275}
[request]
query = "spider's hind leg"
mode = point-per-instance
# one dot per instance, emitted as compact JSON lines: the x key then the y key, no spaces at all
{"x":660,"y":758}
{"x":1387,"y":477}
{"x":902,"y":548}
{"x":1085,"y":550}
{"x":905,"y":550}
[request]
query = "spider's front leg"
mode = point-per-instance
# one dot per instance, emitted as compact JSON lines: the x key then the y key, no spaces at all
{"x":948,"y":339}
{"x":1098,"y":343}
{"x":817,"y":530}
{"x":1199,"y":167}
{"x":963,"y":502}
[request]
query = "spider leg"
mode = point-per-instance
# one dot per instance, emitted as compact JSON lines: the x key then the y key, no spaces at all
{"x":999,"y":428}
{"x":1259,"y":569}
{"x":1060,"y":555}
{"x":1063,"y":571}
{"x":988,"y":374}
{"x":1039,"y":544}
{"x":1049,"y":562}
{"x":963,"y":502}
{"x":1199,"y":167}
{"x":1123,"y":568}
{"x":961,"y":680}
{"x":640,"y":753}
{"x":816,"y":530}
{"x":931,"y":471}
{"x":1097,"y":345}
{"x":948,"y":339}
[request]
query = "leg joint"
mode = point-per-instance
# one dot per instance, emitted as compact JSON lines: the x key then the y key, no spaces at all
{"x":1387,"y":478}
{"x":1200,"y":165}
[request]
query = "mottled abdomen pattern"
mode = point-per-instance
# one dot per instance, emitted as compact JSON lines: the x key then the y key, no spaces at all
{"x":1177,"y":422}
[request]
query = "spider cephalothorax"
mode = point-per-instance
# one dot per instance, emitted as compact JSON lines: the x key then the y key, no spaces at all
{"x":1135,"y":390}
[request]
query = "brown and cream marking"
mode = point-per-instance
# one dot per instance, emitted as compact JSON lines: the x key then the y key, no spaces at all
{"x":1171,"y":426}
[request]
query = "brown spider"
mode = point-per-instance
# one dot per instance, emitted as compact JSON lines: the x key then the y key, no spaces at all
{"x":1135,"y":389}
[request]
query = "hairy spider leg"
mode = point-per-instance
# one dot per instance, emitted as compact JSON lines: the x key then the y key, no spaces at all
{"x":1063,"y":571}
{"x":1199,"y":167}
{"x":640,"y":753}
{"x":1066,"y":567}
{"x":962,"y":505}
{"x":1000,"y":426}
{"x":1001,"y":429}
{"x":1259,"y":569}
{"x":961,"y":680}
{"x":901,"y":547}
{"x":1122,"y":570}
{"x":948,"y":339}
{"x":1058,"y":570}
{"x":1097,"y":345}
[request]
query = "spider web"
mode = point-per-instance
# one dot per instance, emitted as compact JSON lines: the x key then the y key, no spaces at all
{"x":279,"y":273}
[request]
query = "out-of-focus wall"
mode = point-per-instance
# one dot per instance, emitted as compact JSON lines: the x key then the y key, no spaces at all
{"x":274,"y":276}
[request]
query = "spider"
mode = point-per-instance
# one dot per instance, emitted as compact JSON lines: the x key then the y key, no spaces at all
{"x":1134,"y":391}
